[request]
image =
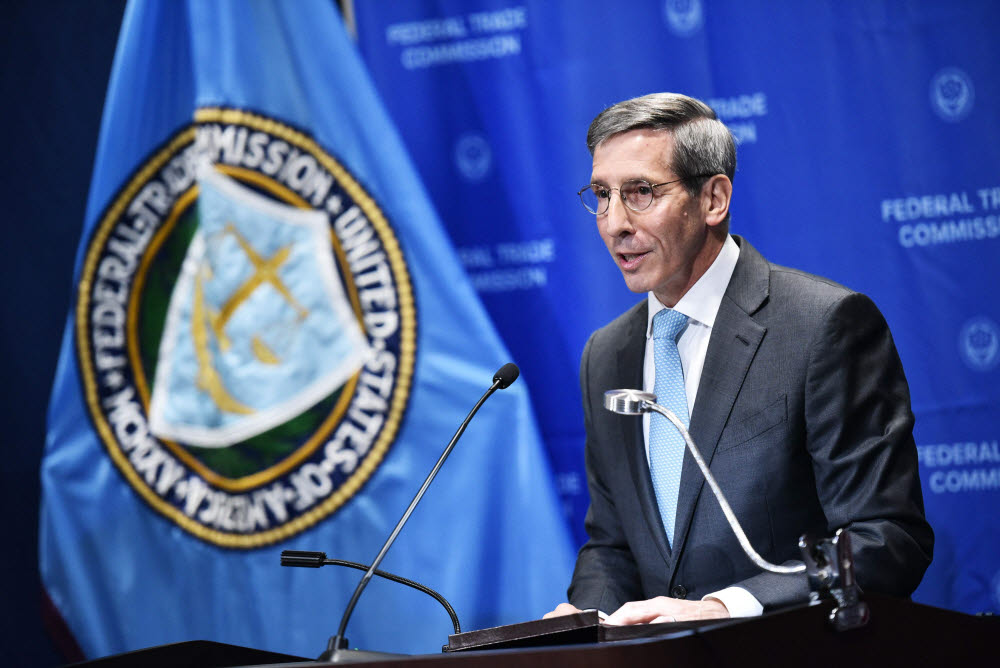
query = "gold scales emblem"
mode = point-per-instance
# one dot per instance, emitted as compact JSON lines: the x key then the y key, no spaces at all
{"x":206,"y":321}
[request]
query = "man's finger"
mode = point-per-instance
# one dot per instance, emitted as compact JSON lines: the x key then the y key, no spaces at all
{"x":562,"y":609}
{"x":635,"y":612}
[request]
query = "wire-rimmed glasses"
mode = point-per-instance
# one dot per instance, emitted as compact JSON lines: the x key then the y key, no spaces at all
{"x":637,"y":194}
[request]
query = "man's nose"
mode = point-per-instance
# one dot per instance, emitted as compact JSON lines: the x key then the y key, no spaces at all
{"x":617,"y":218}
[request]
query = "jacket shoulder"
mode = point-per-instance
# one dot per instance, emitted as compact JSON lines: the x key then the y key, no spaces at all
{"x":613,"y":333}
{"x":803,"y":287}
{"x":759,"y":284}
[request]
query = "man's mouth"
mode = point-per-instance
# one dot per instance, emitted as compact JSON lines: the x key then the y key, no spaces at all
{"x":630,"y":260}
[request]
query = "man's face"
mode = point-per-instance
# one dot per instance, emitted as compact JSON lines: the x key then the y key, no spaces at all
{"x":666,"y":247}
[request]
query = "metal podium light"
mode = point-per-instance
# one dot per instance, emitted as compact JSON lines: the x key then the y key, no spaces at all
{"x":634,"y":402}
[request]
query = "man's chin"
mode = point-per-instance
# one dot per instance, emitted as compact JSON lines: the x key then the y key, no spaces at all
{"x":636,"y":283}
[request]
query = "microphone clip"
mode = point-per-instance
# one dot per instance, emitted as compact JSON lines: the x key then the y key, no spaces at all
{"x":830,"y":567}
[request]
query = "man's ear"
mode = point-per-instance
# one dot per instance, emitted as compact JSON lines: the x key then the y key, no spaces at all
{"x":715,"y":196}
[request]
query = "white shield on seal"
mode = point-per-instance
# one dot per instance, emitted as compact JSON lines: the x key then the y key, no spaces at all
{"x":258,"y":329}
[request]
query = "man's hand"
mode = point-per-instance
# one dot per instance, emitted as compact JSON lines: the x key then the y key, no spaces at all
{"x":562,"y":609}
{"x":664,"y":609}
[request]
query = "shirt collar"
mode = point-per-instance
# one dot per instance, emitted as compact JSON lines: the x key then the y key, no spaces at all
{"x":701,"y":302}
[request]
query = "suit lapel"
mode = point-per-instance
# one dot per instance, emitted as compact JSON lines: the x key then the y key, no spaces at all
{"x":731,"y":349}
{"x":630,"y":361}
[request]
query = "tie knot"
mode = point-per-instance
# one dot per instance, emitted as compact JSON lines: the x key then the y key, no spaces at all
{"x":668,"y":323}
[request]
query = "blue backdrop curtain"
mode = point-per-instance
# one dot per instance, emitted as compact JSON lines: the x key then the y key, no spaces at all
{"x":869,"y":152}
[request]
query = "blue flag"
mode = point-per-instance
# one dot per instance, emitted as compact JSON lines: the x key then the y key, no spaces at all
{"x":271,"y":344}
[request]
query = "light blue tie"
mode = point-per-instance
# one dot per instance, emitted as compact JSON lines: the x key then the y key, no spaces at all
{"x":666,"y":445}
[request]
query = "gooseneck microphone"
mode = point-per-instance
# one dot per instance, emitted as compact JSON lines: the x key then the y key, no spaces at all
{"x":502,"y":379}
{"x":309,"y":559}
{"x":634,"y":402}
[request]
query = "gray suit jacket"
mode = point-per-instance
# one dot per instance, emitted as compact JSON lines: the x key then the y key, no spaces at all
{"x":803,"y":414}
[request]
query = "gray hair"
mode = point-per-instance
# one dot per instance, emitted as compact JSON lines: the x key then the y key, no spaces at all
{"x":703,"y":146}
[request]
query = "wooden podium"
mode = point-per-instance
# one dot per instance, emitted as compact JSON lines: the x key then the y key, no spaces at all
{"x":899,"y":633}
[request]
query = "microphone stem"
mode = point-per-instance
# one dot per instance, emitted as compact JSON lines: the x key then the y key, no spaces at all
{"x":338,"y":641}
{"x":734,"y":523}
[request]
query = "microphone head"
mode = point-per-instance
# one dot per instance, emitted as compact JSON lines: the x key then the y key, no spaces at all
{"x":507,"y":374}
{"x":628,"y":402}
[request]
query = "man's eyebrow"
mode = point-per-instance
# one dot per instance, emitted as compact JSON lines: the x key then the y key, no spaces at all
{"x":632,"y":177}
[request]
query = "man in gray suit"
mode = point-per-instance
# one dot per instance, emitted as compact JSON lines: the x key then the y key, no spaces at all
{"x":794,"y":389}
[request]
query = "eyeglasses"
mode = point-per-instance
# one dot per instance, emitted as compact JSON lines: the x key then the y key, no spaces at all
{"x":637,"y":194}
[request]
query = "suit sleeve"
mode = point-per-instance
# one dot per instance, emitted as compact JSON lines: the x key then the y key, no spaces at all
{"x":859,"y":435}
{"x":606,"y":575}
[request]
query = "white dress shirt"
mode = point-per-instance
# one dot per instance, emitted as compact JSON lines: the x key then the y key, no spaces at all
{"x":701,"y":304}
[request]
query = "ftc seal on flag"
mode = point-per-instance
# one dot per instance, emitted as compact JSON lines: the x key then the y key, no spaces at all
{"x":246,"y":330}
